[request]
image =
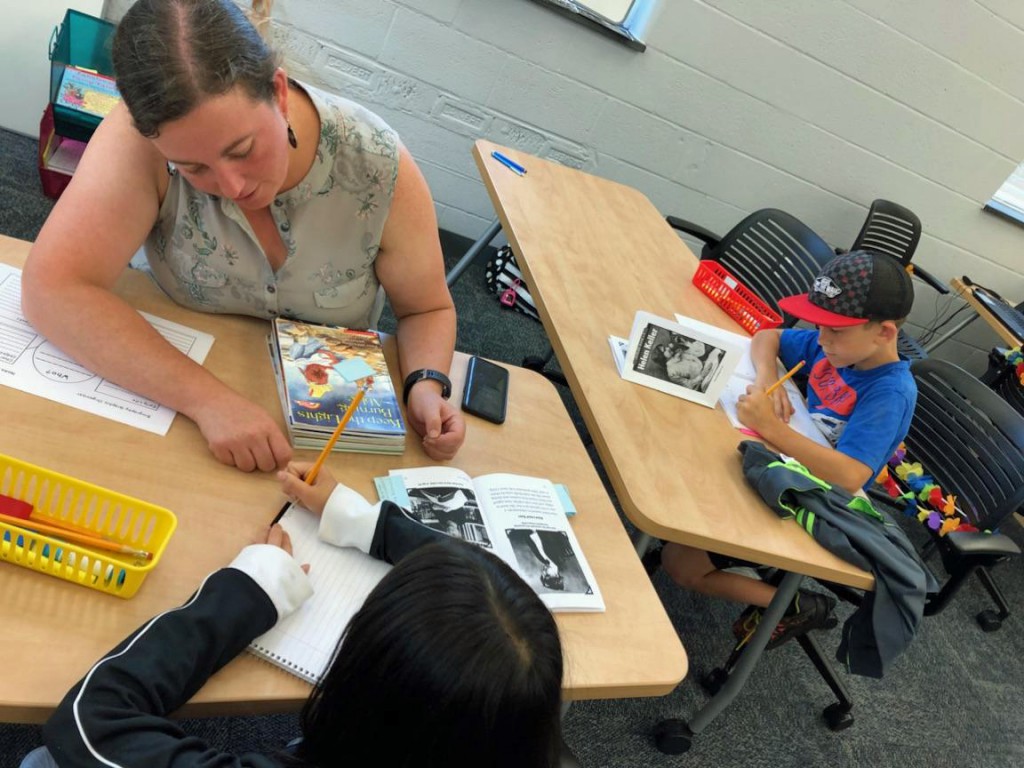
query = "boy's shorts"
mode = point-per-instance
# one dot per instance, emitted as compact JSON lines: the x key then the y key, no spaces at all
{"x":722,"y":562}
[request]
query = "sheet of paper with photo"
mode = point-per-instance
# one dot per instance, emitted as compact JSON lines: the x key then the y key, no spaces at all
{"x":687,"y":359}
{"x":745,"y":375}
{"x":530,"y":527}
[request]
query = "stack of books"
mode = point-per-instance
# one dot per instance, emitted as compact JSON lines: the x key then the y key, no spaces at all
{"x":313,"y":366}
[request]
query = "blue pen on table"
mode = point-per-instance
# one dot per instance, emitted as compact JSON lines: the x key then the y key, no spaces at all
{"x":509,"y":163}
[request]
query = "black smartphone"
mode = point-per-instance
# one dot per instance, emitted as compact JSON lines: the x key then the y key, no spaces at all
{"x":486,"y":391}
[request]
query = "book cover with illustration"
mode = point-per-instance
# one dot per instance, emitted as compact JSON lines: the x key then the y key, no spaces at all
{"x":88,"y":92}
{"x":312,"y":362}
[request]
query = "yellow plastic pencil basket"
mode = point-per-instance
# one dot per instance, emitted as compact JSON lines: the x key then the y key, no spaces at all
{"x":64,"y":501}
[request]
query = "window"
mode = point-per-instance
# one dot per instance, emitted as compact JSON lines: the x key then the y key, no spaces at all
{"x":1008,"y":200}
{"x":623,"y":19}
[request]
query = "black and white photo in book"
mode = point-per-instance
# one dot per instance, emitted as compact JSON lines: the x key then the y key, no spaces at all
{"x":521,"y":519}
{"x":546,"y":561}
{"x":688,"y":362}
{"x":450,"y":510}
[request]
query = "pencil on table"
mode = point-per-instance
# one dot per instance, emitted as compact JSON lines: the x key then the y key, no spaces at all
{"x":785,"y":378}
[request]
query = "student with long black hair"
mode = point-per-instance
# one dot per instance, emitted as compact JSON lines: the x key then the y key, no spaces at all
{"x":452,"y":661}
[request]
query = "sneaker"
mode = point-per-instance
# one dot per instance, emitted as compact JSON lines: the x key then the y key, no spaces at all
{"x":812,"y":611}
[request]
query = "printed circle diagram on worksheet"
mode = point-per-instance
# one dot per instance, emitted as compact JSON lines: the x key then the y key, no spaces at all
{"x":54,"y":365}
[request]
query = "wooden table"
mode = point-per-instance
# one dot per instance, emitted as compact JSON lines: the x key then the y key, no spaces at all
{"x":55,"y":630}
{"x":593,"y":253}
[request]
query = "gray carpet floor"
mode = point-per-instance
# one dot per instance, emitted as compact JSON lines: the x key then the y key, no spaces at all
{"x":954,"y":699}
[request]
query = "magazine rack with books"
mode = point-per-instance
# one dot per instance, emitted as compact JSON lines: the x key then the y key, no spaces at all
{"x":82,"y":93}
{"x":311,"y":365}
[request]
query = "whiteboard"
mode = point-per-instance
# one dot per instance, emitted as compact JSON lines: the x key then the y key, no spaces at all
{"x":24,"y":58}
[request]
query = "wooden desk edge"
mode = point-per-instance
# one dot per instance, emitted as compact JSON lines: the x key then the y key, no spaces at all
{"x":966,"y":292}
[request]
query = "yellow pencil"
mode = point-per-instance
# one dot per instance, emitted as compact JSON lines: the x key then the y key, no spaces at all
{"x":315,"y":469}
{"x":311,"y":475}
{"x":785,"y":378}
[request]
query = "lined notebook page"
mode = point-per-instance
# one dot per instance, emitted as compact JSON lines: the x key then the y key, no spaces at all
{"x":341,"y":577}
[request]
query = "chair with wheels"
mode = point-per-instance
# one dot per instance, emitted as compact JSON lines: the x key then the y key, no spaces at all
{"x":972,"y":443}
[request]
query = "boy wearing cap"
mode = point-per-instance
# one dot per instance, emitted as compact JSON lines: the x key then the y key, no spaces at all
{"x":859,"y":393}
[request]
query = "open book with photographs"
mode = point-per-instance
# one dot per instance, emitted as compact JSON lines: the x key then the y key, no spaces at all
{"x":523,"y":520}
{"x":745,"y":375}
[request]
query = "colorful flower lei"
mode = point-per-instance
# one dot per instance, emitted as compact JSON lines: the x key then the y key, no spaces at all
{"x":1015,"y":358}
{"x":921,"y":495}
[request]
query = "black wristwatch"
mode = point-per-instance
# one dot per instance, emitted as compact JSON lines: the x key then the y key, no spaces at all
{"x":426,"y":373}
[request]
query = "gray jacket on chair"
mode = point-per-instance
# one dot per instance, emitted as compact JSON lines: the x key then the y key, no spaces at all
{"x":849,"y":527}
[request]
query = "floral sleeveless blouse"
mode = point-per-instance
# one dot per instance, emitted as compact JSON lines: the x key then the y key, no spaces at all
{"x":204,"y":254}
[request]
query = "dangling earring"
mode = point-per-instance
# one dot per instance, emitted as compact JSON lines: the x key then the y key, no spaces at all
{"x":291,"y":137}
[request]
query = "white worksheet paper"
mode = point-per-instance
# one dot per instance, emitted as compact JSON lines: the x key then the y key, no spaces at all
{"x":28,"y":362}
{"x":745,"y":374}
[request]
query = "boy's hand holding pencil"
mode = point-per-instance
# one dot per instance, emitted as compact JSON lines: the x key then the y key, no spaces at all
{"x":761,"y":406}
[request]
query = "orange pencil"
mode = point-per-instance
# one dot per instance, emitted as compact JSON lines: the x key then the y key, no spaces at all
{"x":94,"y":542}
{"x":785,"y":378}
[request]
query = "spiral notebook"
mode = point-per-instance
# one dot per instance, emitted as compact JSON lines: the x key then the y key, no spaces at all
{"x":304,"y":642}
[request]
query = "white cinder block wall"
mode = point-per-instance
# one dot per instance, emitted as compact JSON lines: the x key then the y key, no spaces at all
{"x":813,"y":106}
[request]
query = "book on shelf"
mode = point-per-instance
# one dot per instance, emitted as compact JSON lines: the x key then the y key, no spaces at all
{"x":85,"y":91}
{"x":686,"y":359}
{"x":523,"y":520}
{"x":313,"y":367}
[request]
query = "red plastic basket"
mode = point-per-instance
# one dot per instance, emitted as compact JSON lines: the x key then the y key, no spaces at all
{"x":738,"y":301}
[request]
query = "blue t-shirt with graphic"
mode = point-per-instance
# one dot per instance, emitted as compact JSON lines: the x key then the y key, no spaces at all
{"x":863,"y":414}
